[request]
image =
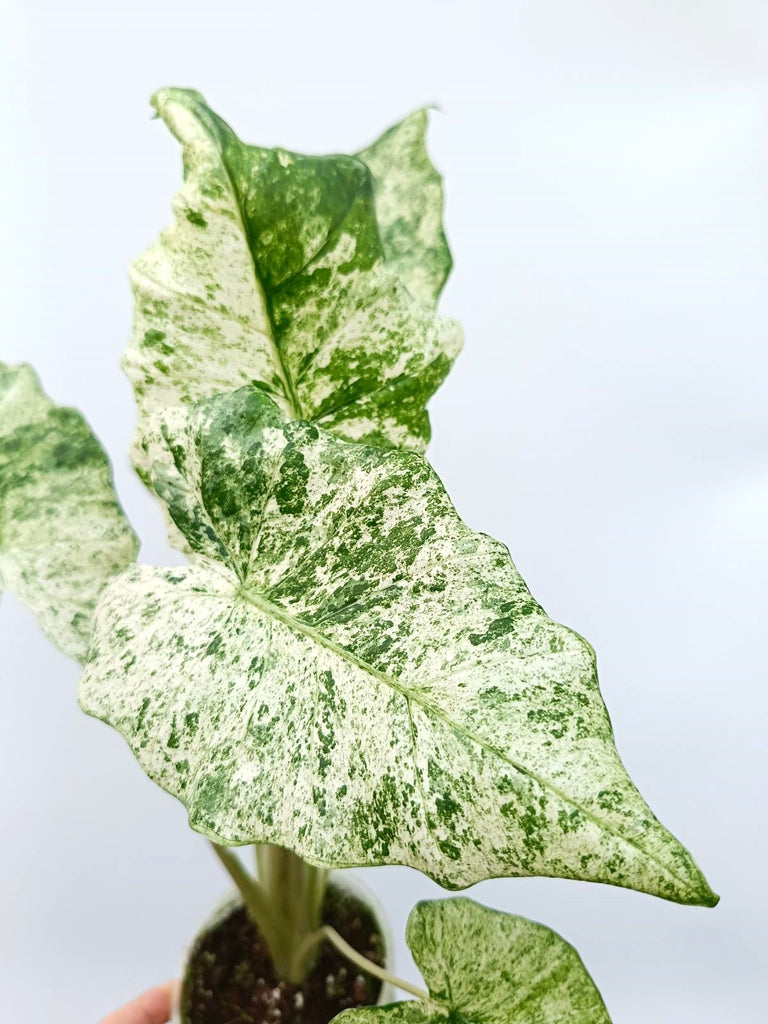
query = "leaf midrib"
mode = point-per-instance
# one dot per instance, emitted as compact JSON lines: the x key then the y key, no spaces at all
{"x":258,"y":600}
{"x":291,"y":395}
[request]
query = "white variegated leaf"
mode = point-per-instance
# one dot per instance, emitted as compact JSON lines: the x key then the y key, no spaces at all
{"x":409,"y":207}
{"x":483,"y":966}
{"x":62,"y":532}
{"x":349,"y":671}
{"x":275,"y":272}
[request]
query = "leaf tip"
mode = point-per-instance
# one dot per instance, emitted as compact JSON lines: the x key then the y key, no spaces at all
{"x":695,"y":890}
{"x":169,"y":93}
{"x":707,"y":897}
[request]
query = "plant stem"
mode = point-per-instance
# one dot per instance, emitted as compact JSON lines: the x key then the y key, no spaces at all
{"x":256,"y":900}
{"x":286,"y":905}
{"x":313,"y":940}
{"x":295,"y":890}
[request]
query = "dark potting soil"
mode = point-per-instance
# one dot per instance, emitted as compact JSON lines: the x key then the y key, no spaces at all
{"x":231,"y":979}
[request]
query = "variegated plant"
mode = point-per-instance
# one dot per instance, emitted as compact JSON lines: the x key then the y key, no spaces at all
{"x":481,"y":965}
{"x":342,"y":628}
{"x":338,"y":627}
{"x":62,"y":532}
{"x":297,"y":273}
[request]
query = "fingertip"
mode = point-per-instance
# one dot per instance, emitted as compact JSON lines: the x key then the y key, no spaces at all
{"x":152,"y":1007}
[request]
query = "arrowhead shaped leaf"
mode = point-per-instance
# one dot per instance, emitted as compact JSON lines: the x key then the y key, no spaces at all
{"x":275,"y":272}
{"x":409,"y":207}
{"x":351,"y":672}
{"x":62,"y":532}
{"x":490,"y":968}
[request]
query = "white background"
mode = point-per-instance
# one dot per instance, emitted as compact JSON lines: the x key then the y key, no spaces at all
{"x":607,"y":176}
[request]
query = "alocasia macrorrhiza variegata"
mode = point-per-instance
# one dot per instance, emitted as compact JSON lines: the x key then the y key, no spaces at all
{"x":284,"y":270}
{"x":62,"y":532}
{"x":338,"y":626}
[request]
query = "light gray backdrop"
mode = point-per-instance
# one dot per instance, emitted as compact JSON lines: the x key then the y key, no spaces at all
{"x":607,"y":175}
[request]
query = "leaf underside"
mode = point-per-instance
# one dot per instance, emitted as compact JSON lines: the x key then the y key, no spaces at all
{"x":298,"y":274}
{"x":349,"y":671}
{"x":62,"y":532}
{"x":487,"y":967}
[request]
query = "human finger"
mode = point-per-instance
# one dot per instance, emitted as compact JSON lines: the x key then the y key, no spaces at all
{"x":153,"y":1007}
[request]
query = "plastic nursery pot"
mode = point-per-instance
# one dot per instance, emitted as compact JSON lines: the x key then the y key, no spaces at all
{"x":220,"y":960}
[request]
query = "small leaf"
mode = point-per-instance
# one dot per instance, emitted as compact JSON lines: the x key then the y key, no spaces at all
{"x":409,"y":207}
{"x":62,"y":532}
{"x":351,"y":672}
{"x":485,"y":966}
{"x":274,"y":272}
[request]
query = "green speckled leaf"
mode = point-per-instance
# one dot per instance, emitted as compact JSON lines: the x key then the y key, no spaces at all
{"x":489,"y":968}
{"x":349,"y":671}
{"x":62,"y":532}
{"x":409,"y":207}
{"x":274,"y":272}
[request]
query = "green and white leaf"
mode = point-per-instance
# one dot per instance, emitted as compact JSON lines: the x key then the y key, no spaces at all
{"x":409,"y":207}
{"x":351,"y":672}
{"x":275,"y":273}
{"x":62,"y":532}
{"x":483,"y":966}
